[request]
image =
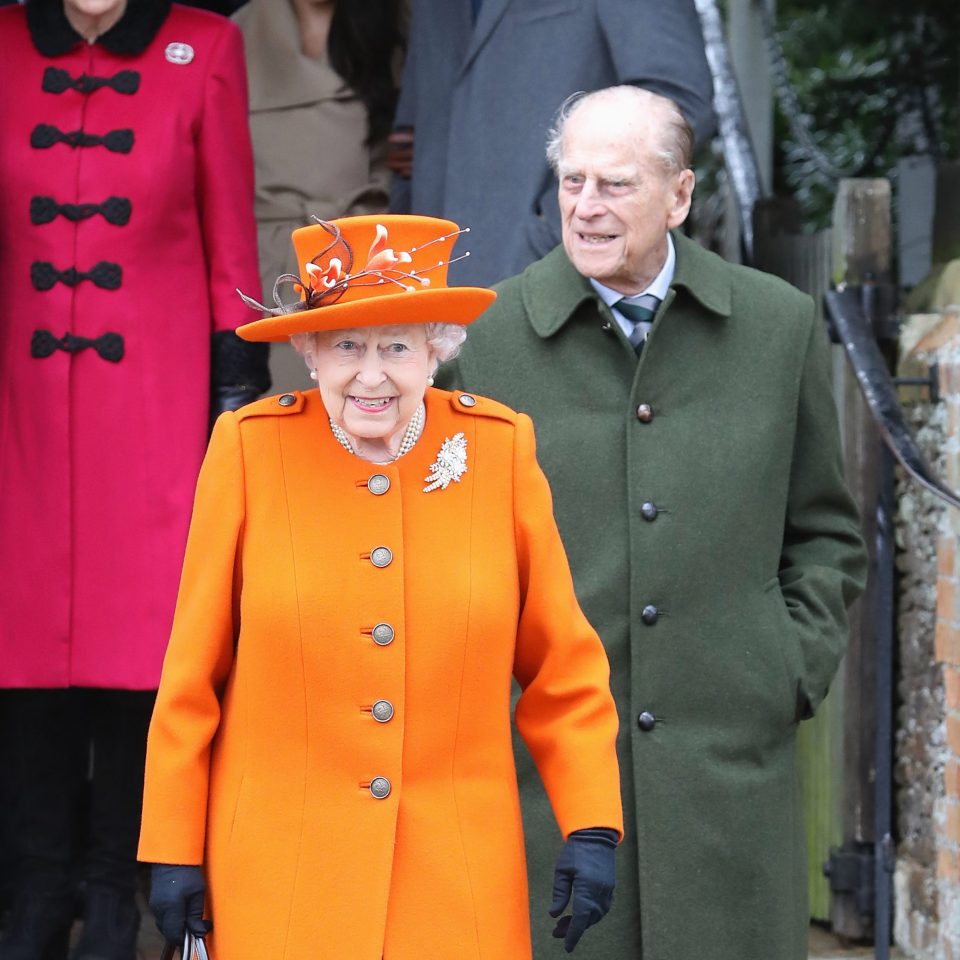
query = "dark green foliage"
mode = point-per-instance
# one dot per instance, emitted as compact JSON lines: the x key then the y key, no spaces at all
{"x":875,"y":81}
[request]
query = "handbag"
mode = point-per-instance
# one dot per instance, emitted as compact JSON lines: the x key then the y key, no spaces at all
{"x":193,"y":948}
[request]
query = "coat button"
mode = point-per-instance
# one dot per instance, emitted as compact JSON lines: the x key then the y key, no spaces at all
{"x":381,"y":557}
{"x":649,"y":511}
{"x":606,"y":326}
{"x":646,"y":721}
{"x":382,"y":711}
{"x":383,"y":634}
{"x":286,"y":400}
{"x":644,"y":413}
{"x":378,"y":484}
{"x":380,"y":788}
{"x":467,"y":400}
{"x":650,"y":615}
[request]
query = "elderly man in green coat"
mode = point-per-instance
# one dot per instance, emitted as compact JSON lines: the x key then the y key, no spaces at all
{"x":685,"y":420}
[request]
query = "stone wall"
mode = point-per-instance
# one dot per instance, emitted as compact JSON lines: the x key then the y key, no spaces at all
{"x":927,"y":881}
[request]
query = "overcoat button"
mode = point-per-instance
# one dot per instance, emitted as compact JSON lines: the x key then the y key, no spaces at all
{"x":378,"y":484}
{"x":644,"y":413}
{"x":649,"y":511}
{"x":606,"y":326}
{"x":650,"y":615}
{"x":380,"y":788}
{"x":382,"y":711}
{"x":646,"y":721}
{"x":381,"y":557}
{"x":286,"y":400}
{"x":467,"y":400}
{"x":383,"y":634}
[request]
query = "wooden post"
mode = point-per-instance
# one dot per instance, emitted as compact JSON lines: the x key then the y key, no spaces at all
{"x":861,"y":253}
{"x":946,"y":223}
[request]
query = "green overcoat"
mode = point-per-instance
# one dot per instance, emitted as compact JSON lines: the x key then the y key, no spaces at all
{"x":715,"y":547}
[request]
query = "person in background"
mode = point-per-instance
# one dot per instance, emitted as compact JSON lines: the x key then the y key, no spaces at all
{"x":687,"y":426}
{"x":323,"y":89}
{"x":479,"y":88}
{"x":126,"y":224}
{"x":330,"y":765}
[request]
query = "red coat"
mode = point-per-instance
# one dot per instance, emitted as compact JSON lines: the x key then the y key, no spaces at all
{"x":99,"y":459}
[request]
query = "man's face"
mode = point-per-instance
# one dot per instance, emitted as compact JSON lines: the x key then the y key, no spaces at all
{"x":617,"y":199}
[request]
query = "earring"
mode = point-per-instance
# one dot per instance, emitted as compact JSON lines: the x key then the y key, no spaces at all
{"x":429,"y":381}
{"x":313,"y":374}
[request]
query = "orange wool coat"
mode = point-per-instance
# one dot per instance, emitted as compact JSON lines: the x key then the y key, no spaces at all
{"x":263,"y":745}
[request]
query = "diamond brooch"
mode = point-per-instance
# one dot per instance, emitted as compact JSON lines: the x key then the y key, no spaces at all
{"x":450,"y":465}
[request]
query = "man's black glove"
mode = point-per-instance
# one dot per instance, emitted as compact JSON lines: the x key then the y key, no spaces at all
{"x":585,"y":868}
{"x":176,"y":899}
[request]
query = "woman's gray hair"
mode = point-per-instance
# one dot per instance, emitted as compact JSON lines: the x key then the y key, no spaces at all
{"x":443,"y":339}
{"x":676,"y":153}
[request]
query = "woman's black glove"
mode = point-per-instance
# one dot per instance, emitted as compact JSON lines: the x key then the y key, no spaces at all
{"x":239,"y":372}
{"x":585,"y":868}
{"x":176,"y":899}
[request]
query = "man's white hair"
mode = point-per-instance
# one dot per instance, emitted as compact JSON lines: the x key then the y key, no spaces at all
{"x":676,"y":140}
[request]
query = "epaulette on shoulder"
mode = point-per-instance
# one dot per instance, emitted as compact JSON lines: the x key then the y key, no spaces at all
{"x":279,"y":405}
{"x":481,"y":406}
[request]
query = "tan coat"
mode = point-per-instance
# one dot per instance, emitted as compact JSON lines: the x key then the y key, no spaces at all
{"x":264,"y":753}
{"x":309,"y":136}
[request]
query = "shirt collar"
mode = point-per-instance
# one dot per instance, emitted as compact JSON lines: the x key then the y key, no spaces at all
{"x":658,"y":287}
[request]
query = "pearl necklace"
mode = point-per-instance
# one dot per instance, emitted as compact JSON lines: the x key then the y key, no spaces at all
{"x":410,"y":436}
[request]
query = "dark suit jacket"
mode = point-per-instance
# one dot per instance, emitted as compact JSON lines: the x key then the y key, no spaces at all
{"x":482,"y":98}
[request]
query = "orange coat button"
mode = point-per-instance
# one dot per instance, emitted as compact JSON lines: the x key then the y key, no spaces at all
{"x":378,"y":484}
{"x":381,"y":557}
{"x":380,"y":788}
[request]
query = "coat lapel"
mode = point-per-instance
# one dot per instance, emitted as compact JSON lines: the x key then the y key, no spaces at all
{"x":553,"y":293}
{"x":703,"y":274}
{"x":280,"y":75}
{"x":490,"y":13}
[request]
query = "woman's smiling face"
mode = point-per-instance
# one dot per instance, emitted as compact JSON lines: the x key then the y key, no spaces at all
{"x":372,"y":379}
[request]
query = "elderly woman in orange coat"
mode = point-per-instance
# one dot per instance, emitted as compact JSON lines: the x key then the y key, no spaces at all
{"x":330,"y":771}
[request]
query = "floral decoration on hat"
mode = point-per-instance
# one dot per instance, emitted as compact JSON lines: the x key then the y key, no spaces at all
{"x":327,"y":284}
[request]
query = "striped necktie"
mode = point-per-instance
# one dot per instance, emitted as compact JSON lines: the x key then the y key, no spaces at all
{"x":640,"y":313}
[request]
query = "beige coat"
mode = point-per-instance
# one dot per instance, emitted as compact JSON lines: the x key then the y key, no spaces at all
{"x":309,"y":136}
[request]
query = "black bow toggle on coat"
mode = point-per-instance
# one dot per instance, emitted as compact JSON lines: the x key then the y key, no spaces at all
{"x":115,"y":210}
{"x":109,"y":346}
{"x":56,"y":80}
{"x":116,"y":141}
{"x":106,"y":275}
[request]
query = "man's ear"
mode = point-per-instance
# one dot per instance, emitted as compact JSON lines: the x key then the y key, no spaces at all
{"x":682,"y":198}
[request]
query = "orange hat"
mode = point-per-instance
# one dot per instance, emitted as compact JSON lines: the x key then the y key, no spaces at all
{"x":370,"y":271}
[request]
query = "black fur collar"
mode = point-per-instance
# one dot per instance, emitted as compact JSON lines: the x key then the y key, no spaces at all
{"x":52,"y":34}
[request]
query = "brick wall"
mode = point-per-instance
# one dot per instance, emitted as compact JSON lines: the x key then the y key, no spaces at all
{"x":927,"y":908}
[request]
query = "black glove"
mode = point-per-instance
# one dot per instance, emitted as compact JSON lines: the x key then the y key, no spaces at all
{"x":239,"y":372}
{"x":176,"y":899}
{"x":585,"y":868}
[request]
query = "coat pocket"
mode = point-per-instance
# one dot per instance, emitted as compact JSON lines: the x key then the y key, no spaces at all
{"x":788,"y":647}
